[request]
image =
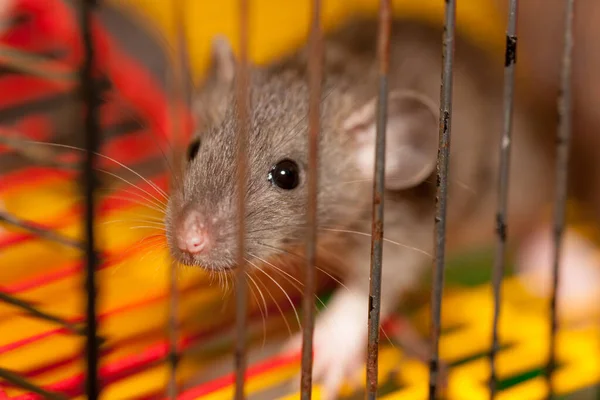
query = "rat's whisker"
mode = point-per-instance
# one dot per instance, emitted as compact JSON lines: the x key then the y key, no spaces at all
{"x":328,"y":228}
{"x":148,"y":227}
{"x":154,"y":202}
{"x":137,"y":202}
{"x":230,"y":281}
{"x":152,"y":245}
{"x":116,"y":221}
{"x":387,"y":337}
{"x":136,"y":118}
{"x":150,"y":218}
{"x":160,"y":202}
{"x":151,"y":251}
{"x":303,"y":258}
{"x":281,"y":288}
{"x":65,"y":146}
{"x":225,"y":284}
{"x":275,"y":267}
{"x":287,"y":276}
{"x":285,"y":321}
{"x":336,"y":280}
{"x":261,"y":295}
{"x":384,"y":239}
{"x":148,"y":240}
{"x":298,"y":287}
{"x":264,"y":314}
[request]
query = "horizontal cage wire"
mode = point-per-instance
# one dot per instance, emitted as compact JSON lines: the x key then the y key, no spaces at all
{"x":103,"y":308}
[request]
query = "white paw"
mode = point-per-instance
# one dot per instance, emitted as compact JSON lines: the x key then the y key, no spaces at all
{"x":579,"y":273}
{"x":339,"y":343}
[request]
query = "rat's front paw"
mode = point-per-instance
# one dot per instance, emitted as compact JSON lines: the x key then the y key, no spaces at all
{"x":339,"y":344}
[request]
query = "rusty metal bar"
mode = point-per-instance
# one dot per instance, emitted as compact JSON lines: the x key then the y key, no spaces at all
{"x":383,"y":49}
{"x":39,"y":314}
{"x":173,"y":358}
{"x":37,"y":66}
{"x":91,"y":98}
{"x":22,"y":382}
{"x":180,"y":92}
{"x":243,"y":122}
{"x":510,"y":60}
{"x":563,"y":143}
{"x":41,"y":232}
{"x":442,"y":191}
{"x":315,"y":76}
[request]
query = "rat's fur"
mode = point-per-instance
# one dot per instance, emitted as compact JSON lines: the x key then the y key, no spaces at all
{"x":276,"y":218}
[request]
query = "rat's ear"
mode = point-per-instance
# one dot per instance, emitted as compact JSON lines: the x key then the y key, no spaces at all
{"x":210,"y":99}
{"x":411,"y":138}
{"x":222,"y":64}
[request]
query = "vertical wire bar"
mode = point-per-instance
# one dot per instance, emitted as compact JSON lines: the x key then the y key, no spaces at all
{"x":510,"y":60}
{"x":179,"y":94}
{"x":442,"y":191}
{"x":92,"y":142}
{"x":563,"y":142}
{"x":173,"y":332}
{"x":383,"y":48}
{"x":242,"y":94}
{"x":315,"y":76}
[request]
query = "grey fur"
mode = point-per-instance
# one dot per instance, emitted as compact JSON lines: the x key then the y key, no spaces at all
{"x":279,"y":98}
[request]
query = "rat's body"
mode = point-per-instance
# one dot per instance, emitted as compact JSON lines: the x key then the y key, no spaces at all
{"x":201,"y":218}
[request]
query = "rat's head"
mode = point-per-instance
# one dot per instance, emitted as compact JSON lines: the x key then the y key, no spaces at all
{"x":202,"y":213}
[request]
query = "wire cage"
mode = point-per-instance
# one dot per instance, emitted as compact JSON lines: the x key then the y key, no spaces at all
{"x":98,"y":291}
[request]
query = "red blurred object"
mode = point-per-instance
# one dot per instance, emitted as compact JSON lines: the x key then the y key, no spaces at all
{"x":49,"y":27}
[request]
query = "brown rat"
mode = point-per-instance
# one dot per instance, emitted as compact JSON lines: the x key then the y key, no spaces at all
{"x":201,"y":224}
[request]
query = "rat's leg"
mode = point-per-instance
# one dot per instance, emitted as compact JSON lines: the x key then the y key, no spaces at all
{"x":340,"y":337}
{"x":579,"y":270}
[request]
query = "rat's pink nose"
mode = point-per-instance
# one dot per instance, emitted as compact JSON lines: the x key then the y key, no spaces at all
{"x":192,"y":237}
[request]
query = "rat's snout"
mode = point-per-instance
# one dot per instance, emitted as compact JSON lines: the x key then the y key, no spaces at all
{"x":192,"y":234}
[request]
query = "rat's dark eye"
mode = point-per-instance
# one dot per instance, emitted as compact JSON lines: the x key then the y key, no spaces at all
{"x":285,"y":174}
{"x":193,"y":149}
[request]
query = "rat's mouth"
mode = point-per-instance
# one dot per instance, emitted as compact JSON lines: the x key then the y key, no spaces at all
{"x":213,"y":264}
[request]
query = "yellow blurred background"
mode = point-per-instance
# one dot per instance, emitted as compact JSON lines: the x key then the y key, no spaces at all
{"x":275,"y":26}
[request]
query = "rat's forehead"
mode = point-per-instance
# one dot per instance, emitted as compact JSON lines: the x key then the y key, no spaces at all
{"x":276,"y":106}
{"x":278,"y":96}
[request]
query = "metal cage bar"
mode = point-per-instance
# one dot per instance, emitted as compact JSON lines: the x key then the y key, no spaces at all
{"x":315,"y":76}
{"x":563,"y":144}
{"x":383,"y":49}
{"x":442,"y":191}
{"x":179,"y":93}
{"x":44,"y":233}
{"x":91,"y":98}
{"x":243,"y":122}
{"x":510,"y":60}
